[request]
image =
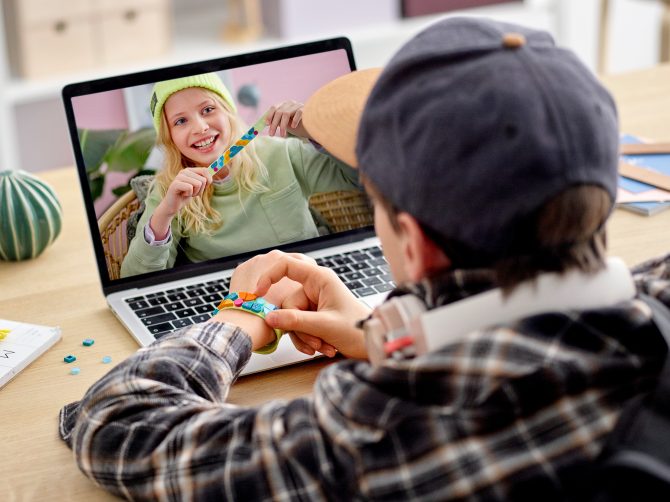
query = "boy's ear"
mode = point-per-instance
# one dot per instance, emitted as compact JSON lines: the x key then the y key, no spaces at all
{"x":421,"y":256}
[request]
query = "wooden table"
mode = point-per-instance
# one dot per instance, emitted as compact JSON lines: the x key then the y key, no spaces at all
{"x":61,"y":288}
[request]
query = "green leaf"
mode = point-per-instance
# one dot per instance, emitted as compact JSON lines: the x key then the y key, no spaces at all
{"x":95,"y":145}
{"x":120,"y":190}
{"x":131,"y":150}
{"x":96,"y":185}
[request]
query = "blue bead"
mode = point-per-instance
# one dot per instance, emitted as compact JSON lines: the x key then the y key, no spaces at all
{"x":231,"y":296}
{"x":88,"y":342}
{"x":256,"y":307}
{"x":107,"y":359}
{"x":69,"y":358}
{"x":74,"y":371}
{"x":247,"y":305}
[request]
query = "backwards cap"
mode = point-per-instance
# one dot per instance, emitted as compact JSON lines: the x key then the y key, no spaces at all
{"x":472,"y":126}
{"x":163,"y":90}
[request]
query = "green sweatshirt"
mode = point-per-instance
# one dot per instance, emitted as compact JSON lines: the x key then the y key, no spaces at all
{"x":281,"y":215}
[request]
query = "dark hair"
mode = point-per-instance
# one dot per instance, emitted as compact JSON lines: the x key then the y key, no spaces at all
{"x":568,"y":232}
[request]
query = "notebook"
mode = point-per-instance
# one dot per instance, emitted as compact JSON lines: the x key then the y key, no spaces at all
{"x":21,"y":344}
{"x":113,"y":140}
{"x":637,"y":196}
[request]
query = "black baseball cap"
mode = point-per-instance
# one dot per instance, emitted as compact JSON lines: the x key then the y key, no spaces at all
{"x":472,"y":126}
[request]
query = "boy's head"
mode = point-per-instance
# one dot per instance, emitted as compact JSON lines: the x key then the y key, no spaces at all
{"x":473,"y":129}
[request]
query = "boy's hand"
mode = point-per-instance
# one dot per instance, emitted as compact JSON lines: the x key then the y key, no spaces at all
{"x":285,"y":294}
{"x":333,"y":309}
{"x":287,"y":117}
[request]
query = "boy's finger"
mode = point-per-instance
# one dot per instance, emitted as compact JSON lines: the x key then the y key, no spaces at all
{"x":286,"y":266}
{"x":310,"y":340}
{"x":300,"y":345}
{"x":295,"y":320}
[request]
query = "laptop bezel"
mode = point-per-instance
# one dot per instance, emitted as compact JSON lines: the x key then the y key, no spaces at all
{"x":139,"y":78}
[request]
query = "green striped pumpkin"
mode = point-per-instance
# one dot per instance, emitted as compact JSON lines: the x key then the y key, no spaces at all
{"x":30,"y":215}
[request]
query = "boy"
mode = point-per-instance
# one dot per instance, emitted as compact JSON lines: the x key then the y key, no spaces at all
{"x":502,"y":361}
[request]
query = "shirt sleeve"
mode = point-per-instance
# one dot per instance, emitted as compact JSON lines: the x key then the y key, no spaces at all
{"x":158,"y":426}
{"x":150,"y":237}
{"x":143,"y":256}
{"x":317,"y":171}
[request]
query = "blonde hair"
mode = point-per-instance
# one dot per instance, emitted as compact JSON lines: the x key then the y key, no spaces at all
{"x":246,"y":168}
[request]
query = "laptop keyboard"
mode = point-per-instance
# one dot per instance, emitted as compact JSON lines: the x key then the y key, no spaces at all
{"x":365,"y":272}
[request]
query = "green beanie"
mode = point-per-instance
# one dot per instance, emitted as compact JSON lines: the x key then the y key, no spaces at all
{"x":163,"y":90}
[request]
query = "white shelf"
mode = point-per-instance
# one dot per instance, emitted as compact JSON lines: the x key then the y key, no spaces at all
{"x":373,"y":45}
{"x":197,"y":29}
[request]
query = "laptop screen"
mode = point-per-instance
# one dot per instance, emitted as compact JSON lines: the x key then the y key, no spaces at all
{"x":141,"y":141}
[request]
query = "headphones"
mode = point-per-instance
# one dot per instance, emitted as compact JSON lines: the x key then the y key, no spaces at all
{"x":402,"y":327}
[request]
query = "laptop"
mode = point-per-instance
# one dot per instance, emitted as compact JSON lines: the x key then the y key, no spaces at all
{"x":113,"y":140}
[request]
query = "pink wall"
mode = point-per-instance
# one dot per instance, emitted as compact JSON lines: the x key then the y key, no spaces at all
{"x":103,"y":110}
{"x":294,"y":79}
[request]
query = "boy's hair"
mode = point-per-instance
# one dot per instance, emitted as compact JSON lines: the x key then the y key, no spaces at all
{"x":248,"y":171}
{"x":567,"y":232}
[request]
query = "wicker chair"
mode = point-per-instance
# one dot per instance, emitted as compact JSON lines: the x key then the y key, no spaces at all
{"x":343,"y":210}
{"x":113,"y":226}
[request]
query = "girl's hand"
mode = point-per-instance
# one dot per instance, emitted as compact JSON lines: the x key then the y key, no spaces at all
{"x":332,"y":308}
{"x":287,"y":118}
{"x":190,"y":182}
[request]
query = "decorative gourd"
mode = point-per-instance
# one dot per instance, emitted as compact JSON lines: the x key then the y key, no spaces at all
{"x":30,"y":215}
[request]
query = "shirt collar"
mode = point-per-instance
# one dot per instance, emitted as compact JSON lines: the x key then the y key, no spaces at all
{"x":449,"y":286}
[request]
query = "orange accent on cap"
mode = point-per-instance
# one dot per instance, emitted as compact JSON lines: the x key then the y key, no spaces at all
{"x":513,"y":40}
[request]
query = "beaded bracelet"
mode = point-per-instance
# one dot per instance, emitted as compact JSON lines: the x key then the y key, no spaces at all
{"x":248,"y":302}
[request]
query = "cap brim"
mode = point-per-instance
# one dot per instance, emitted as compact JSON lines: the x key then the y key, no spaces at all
{"x":332,"y":114}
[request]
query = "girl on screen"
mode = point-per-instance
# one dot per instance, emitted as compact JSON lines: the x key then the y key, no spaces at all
{"x":259,"y":200}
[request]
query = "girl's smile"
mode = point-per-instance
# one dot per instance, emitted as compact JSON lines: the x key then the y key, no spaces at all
{"x":206,"y":145}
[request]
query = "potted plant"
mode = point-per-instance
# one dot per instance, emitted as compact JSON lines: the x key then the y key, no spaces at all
{"x":115,"y":150}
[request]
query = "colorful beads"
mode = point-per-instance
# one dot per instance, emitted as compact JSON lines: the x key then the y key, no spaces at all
{"x":69,"y":358}
{"x":245,"y":301}
{"x":239,"y":145}
{"x":249,"y":302}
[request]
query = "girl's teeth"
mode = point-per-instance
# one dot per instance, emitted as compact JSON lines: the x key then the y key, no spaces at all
{"x":204,"y":143}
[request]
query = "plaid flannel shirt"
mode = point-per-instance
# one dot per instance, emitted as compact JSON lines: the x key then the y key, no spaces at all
{"x":513,"y":412}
